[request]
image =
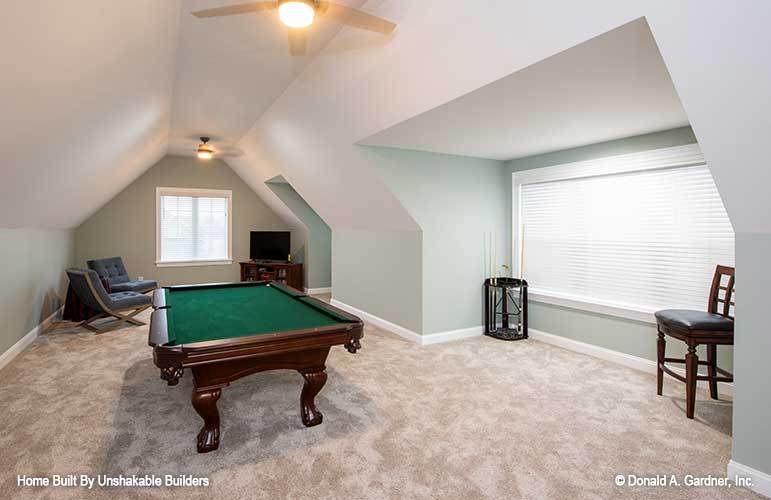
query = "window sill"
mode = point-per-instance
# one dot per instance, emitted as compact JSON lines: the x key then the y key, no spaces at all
{"x":194,"y":263}
{"x":618,"y":310}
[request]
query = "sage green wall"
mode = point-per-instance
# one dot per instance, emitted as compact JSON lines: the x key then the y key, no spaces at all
{"x":125,"y":226}
{"x":380,"y":272}
{"x":32,"y":264}
{"x":455,"y":200}
{"x":317,"y":263}
{"x":627,"y":336}
{"x":752,"y":410}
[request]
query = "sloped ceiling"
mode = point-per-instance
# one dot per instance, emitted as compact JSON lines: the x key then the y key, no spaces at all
{"x":613,"y":86}
{"x":95,"y":92}
{"x":229,"y":70}
{"x":444,"y":49}
{"x":86,"y":89}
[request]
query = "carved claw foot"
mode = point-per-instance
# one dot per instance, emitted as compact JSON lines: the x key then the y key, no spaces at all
{"x":208,"y":439}
{"x":172,"y":374}
{"x":205,"y":403}
{"x":353,"y":346}
{"x":314,"y":381}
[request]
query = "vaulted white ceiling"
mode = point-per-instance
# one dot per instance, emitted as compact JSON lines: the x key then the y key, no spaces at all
{"x":95,"y":92}
{"x":92,"y":91}
{"x":444,"y":49}
{"x":613,"y":86}
{"x":86,"y":90}
{"x":229,"y":70}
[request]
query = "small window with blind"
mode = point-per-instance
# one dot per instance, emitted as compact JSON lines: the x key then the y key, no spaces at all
{"x":193,"y":227}
{"x":625,"y":235}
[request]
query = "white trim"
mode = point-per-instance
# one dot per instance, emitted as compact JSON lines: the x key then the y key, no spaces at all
{"x":634,"y":362}
{"x":655,"y":159}
{"x":626,"y":311}
{"x":175,"y":191}
{"x":379,"y":322}
{"x":193,"y":263}
{"x":441,"y":337}
{"x":761,"y":482}
{"x":318,"y":291}
{"x":428,"y":339}
{"x":27,"y":339}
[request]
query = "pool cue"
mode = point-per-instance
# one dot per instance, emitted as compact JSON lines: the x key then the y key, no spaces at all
{"x":522,"y":253}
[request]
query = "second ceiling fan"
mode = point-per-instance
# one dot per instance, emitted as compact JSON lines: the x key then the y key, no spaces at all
{"x":299,"y":14}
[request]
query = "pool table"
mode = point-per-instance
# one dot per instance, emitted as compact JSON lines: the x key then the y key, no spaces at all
{"x":222,"y":332}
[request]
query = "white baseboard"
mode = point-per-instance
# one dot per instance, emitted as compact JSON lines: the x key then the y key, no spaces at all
{"x":379,"y":322}
{"x":635,"y":362}
{"x":431,"y":338}
{"x":318,"y":291}
{"x":463,"y":333}
{"x":761,"y":482}
{"x":26,"y":340}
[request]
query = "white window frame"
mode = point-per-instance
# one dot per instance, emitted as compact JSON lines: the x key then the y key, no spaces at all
{"x":213,"y":193}
{"x":673,"y":157}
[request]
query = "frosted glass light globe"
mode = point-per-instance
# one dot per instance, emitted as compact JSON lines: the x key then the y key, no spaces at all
{"x":296,"y":14}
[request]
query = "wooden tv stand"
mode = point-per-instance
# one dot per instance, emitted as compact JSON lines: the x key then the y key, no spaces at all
{"x":288,"y":273}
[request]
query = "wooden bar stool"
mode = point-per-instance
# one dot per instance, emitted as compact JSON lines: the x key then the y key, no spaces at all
{"x":712,"y":328}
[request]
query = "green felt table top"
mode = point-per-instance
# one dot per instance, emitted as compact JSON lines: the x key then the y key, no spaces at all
{"x":222,"y":312}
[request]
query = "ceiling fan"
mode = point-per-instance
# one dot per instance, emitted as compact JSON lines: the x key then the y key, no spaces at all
{"x":299,"y":14}
{"x":206,"y":151}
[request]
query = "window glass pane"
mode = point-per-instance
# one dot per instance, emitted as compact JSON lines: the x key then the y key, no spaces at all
{"x":647,"y":239}
{"x":193,"y":228}
{"x":211,"y":237}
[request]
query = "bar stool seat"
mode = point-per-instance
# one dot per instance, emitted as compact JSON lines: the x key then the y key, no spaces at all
{"x":694,"y":321}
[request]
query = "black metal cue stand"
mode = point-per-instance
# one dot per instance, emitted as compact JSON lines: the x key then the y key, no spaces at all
{"x":506,"y":298}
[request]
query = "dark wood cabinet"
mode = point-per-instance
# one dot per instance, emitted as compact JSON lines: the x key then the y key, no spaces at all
{"x":282,"y":272}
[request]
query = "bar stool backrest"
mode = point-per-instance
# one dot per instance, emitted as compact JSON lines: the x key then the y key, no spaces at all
{"x":721,"y":295}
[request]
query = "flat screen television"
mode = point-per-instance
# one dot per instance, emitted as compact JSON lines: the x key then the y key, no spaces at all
{"x":269,"y":245}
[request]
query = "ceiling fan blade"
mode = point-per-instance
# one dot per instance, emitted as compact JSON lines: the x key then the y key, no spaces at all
{"x":242,"y":8}
{"x":298,"y":41}
{"x":228,"y":152}
{"x":357,"y":19}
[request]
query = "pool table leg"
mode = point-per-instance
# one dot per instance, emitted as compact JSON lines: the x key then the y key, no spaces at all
{"x":205,"y":403}
{"x":314,"y":381}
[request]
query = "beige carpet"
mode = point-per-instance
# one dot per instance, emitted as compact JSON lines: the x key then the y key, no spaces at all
{"x":471,"y":419}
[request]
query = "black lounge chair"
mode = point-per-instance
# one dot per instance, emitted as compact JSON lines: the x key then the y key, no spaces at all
{"x":117,"y":277}
{"x":87,"y":286}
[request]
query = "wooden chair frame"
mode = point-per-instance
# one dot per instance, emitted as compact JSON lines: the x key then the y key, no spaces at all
{"x":694,"y":338}
{"x":107,"y":312}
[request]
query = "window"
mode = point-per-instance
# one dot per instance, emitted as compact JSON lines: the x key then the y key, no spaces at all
{"x":193,"y":227}
{"x":626,"y":235}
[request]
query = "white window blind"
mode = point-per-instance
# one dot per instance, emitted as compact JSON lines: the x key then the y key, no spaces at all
{"x":643,"y":240}
{"x":193,"y":226}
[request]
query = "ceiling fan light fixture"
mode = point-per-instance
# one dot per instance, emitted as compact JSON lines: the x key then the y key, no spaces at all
{"x":297,"y":13}
{"x":205,"y":152}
